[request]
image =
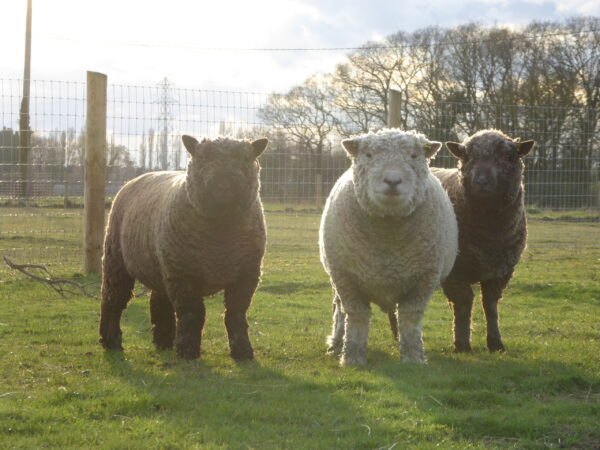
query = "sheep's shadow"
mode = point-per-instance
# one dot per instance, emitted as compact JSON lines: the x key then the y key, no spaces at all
{"x":455,"y":391}
{"x":201,"y":401}
{"x":462,"y":391}
{"x":219,"y":400}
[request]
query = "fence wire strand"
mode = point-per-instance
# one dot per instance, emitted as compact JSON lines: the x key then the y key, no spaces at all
{"x":144,"y":129}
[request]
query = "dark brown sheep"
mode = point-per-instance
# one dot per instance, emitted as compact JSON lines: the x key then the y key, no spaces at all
{"x":487,"y":193}
{"x":188,"y":235}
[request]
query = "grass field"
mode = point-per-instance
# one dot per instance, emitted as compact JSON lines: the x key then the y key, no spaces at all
{"x":58,"y":388}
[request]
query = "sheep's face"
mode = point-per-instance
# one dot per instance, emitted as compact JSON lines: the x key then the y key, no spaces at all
{"x":390,"y":170}
{"x":223,"y":174}
{"x":491,"y":166}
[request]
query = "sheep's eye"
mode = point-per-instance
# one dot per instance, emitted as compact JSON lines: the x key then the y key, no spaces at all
{"x":413,"y":156}
{"x":368,"y":155}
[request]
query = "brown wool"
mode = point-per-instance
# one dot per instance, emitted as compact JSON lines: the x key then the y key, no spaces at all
{"x":185,"y":236}
{"x":487,"y":193}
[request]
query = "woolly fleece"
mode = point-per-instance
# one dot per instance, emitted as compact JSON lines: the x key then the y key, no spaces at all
{"x":187,"y":235}
{"x":388,"y":236}
{"x":488,"y":197}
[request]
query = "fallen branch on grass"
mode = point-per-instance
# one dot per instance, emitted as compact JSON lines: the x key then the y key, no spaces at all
{"x":59,"y":285}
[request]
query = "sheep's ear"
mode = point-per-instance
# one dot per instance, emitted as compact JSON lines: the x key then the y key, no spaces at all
{"x":458,"y":150}
{"x":351,"y":147}
{"x":523,"y":148}
{"x":190,"y":143}
{"x":431,"y":148}
{"x":259,"y":146}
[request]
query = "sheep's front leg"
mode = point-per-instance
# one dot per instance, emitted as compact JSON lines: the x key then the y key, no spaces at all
{"x":491,"y":293}
{"x":190,"y":314}
{"x":410,"y":317}
{"x":335,"y":341}
{"x":237,"y":302}
{"x":356,"y":336}
{"x":162,"y":318}
{"x":356,"y":312}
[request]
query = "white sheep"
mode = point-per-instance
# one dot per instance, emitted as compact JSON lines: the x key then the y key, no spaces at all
{"x":388,"y":236}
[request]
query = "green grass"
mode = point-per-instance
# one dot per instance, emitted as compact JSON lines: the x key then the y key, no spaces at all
{"x":577,"y":215}
{"x":58,"y":388}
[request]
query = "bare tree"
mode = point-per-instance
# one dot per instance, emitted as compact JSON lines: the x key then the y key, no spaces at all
{"x":362,"y":84}
{"x":456,"y":81}
{"x":304,"y":113}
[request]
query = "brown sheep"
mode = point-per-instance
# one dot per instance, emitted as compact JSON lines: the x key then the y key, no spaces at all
{"x":188,"y":235}
{"x":487,"y":193}
{"x":488,"y":197}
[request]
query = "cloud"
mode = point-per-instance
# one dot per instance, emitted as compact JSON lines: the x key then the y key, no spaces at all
{"x":72,"y":36}
{"x":586,"y":7}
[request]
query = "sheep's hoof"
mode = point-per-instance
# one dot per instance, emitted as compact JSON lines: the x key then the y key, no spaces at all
{"x":162,"y":339}
{"x":353,"y":362}
{"x":242,"y":350}
{"x":242,"y":354}
{"x":414,"y":359}
{"x":187,"y":352}
{"x":462,"y":347}
{"x":353,"y":355}
{"x":495,"y":345}
{"x":334,"y":349}
{"x":111,"y":336}
{"x":413,"y":354}
{"x":114,"y":343}
{"x":163,"y":346}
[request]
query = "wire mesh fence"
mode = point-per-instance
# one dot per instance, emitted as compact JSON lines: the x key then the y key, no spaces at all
{"x":144,"y":128}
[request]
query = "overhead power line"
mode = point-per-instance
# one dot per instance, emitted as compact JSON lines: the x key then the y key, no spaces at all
{"x":332,"y":49}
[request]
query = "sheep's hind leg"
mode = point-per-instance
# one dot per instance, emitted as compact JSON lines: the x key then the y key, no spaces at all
{"x":491,"y":292}
{"x":393,"y":320}
{"x":335,"y":341}
{"x":237,"y":301}
{"x":460,"y":296}
{"x":117,"y":287}
{"x":410,"y":331}
{"x":162,"y":317}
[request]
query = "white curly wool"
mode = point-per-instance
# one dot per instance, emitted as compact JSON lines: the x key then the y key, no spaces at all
{"x":388,"y":236}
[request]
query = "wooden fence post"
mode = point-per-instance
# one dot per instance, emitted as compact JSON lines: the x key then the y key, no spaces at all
{"x":94,"y":171}
{"x":393,"y":113}
{"x":319,"y":190}
{"x":598,"y":194}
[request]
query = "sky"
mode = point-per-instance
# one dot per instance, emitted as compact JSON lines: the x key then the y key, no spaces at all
{"x":142,"y":42}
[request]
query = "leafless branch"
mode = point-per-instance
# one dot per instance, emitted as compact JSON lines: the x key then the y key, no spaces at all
{"x":59,"y":285}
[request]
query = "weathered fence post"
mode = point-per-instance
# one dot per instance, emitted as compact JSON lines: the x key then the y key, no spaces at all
{"x":94,"y":171}
{"x":319,"y":189}
{"x":393,"y":112}
{"x":598,"y":194}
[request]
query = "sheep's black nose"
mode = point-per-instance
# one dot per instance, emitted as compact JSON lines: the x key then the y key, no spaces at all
{"x":392,"y":181}
{"x":482,"y":180}
{"x":225,"y":185}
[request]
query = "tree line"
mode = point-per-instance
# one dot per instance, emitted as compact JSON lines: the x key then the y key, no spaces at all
{"x":541,"y":82}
